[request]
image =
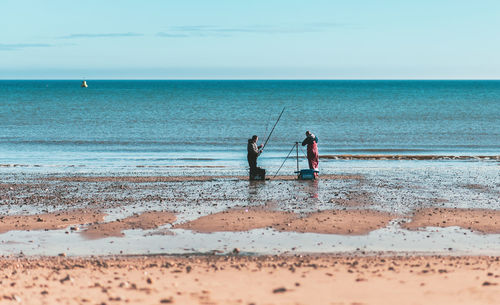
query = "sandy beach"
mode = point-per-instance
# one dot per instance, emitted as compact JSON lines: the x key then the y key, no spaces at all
{"x":379,"y":279}
{"x":226,"y":227}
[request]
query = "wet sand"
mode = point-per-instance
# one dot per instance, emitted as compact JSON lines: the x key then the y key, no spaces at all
{"x":219,"y":204}
{"x":145,"y":221}
{"x":240,"y":219}
{"x":481,"y":220}
{"x":251,"y":280}
{"x":347,"y":222}
{"x":50,"y":221}
{"x":144,"y":179}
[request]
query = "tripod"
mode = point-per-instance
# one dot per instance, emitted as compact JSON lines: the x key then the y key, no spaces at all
{"x":296,"y":146}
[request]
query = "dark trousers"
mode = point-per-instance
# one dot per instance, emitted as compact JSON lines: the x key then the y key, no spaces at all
{"x":252,"y":162}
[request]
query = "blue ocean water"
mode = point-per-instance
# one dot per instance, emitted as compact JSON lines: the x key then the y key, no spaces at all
{"x":126,"y":124}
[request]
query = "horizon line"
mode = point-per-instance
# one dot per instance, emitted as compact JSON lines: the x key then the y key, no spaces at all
{"x":255,"y":79}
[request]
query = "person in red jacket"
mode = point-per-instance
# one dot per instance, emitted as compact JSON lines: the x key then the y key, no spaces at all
{"x":312,"y":150}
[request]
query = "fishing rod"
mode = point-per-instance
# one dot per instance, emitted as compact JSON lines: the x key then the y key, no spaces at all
{"x":269,"y":136}
{"x":267,"y":124}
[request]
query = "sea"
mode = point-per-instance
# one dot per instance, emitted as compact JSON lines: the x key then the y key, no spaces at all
{"x":201,"y":127}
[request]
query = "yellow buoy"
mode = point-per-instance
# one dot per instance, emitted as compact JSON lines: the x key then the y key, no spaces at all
{"x":84,"y":84}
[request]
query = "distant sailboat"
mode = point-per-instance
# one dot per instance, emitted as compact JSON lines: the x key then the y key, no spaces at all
{"x":84,"y":84}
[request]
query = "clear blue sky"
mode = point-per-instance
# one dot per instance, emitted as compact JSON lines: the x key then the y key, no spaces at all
{"x":250,"y":39}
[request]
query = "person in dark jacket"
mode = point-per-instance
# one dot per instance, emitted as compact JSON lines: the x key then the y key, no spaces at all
{"x":312,"y":150}
{"x":253,"y":152}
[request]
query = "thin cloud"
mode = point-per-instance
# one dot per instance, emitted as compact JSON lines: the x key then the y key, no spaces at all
{"x":21,"y":46}
{"x":212,"y":30}
{"x":101,"y":35}
{"x":163,"y":34}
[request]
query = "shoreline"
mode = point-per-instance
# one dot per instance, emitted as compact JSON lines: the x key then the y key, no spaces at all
{"x":411,"y":157}
{"x":236,"y":164}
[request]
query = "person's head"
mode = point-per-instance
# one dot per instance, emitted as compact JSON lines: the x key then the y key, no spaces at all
{"x":255,"y":138}
{"x":308,"y":133}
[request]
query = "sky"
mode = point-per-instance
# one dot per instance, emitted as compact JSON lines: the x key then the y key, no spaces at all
{"x":271,"y":39}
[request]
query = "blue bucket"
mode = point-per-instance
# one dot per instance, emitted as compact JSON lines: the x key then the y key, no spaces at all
{"x":307,"y":174}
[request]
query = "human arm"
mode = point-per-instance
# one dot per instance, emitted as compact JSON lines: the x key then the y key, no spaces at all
{"x":253,"y":149}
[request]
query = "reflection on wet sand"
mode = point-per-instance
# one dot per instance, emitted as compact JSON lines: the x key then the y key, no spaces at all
{"x":254,"y":186}
{"x":313,"y":188}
